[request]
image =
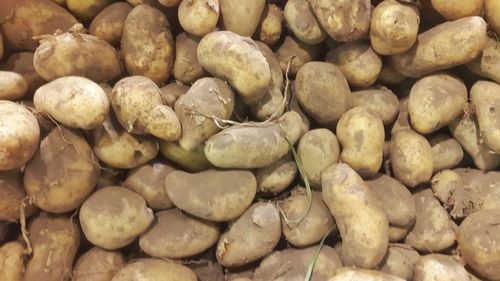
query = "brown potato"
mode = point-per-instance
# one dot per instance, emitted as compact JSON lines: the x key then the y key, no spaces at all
{"x":12,"y":194}
{"x":198,"y":17}
{"x":97,"y":265}
{"x":492,"y":14}
{"x":22,"y":63}
{"x":380,"y":101}
{"x":455,"y":9}
{"x":12,"y":261}
{"x":1,"y":46}
{"x":275,"y":178}
{"x":442,"y":267}
{"x":154,"y":270}
{"x":270,"y":25}
{"x":86,"y":9}
{"x":193,"y":161}
{"x":171,"y":92}
{"x":187,"y":69}
{"x":241,"y":17}
{"x":388,"y":75}
{"x":295,"y":53}
{"x":446,"y":152}
{"x":108,"y":24}
{"x":487,"y":64}
{"x":14,"y":86}
{"x":303,"y":22}
{"x":486,"y":101}
{"x":400,"y":260}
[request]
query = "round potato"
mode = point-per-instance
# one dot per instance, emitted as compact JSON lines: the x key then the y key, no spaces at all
{"x":154,"y":270}
{"x":270,"y":25}
{"x":108,"y":24}
{"x":241,"y":17}
{"x":14,"y":86}
{"x":86,"y":9}
{"x":442,"y":267}
{"x":97,"y":265}
{"x":22,"y":63}
{"x":303,"y":23}
{"x":187,"y":69}
{"x":12,"y":261}
{"x":295,"y":53}
{"x":191,"y":160}
{"x":486,"y":101}
{"x":275,"y":178}
{"x":199,"y":17}
{"x":446,"y":152}
{"x":380,"y":101}
{"x":455,"y":9}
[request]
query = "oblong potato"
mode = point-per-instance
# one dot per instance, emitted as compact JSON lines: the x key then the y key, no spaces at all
{"x":187,"y":69}
{"x":194,"y":160}
{"x":241,"y":17}
{"x":154,"y":270}
{"x":270,"y":25}
{"x":198,"y":17}
{"x":12,"y":261}
{"x":488,"y":63}
{"x":97,"y":265}
{"x":380,"y":101}
{"x":277,"y":177}
{"x":14,"y":86}
{"x":12,"y":196}
{"x":442,"y":267}
{"x":446,"y":152}
{"x":303,"y":23}
{"x":215,"y":195}
{"x":22,"y":63}
{"x":486,"y":101}
{"x":455,"y":9}
{"x":108,"y":24}
{"x":295,"y":53}
{"x":86,"y":9}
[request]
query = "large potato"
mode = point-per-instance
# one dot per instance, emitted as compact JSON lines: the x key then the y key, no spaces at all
{"x":12,"y":194}
{"x":303,"y":22}
{"x":446,"y":152}
{"x":97,"y":265}
{"x":380,"y":101}
{"x":22,"y":63}
{"x":198,"y":17}
{"x":488,"y":63}
{"x":276,"y":177}
{"x":216,"y":195}
{"x":439,"y":267}
{"x":241,"y":17}
{"x":86,"y":9}
{"x":237,"y":59}
{"x":295,"y":53}
{"x":154,"y":270}
{"x":19,"y":135}
{"x":400,"y":261}
{"x":14,"y":86}
{"x":108,"y":24}
{"x":485,"y":98}
{"x":147,"y":44}
{"x":187,"y":69}
{"x":191,"y":160}
{"x":270,"y":25}
{"x":444,"y":46}
{"x":12,"y":261}
{"x":492,"y":13}
{"x":111,"y":224}
{"x":355,"y":274}
{"x":359,"y":215}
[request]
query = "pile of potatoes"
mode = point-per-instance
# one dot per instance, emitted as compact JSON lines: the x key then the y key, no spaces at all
{"x":249,"y":140}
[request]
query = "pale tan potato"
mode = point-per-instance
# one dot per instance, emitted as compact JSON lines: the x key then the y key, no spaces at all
{"x":357,"y":61}
{"x":108,"y":24}
{"x":12,"y":261}
{"x":400,"y":261}
{"x":218,"y":55}
{"x":12,"y":196}
{"x":322,"y":91}
{"x":154,"y":270}
{"x":19,"y":135}
{"x":394,"y":27}
{"x":171,"y":92}
{"x":98,"y":265}
{"x":194,"y":160}
{"x":303,"y":23}
{"x":355,"y":274}
{"x":86,"y":9}
{"x":241,"y":17}
{"x":14,"y":86}
{"x":380,"y":101}
{"x":444,"y":46}
{"x":439,"y":267}
{"x":276,"y":177}
{"x":492,"y":14}
{"x":215,"y":195}
{"x":112,"y":224}
{"x":270,"y":25}
{"x":398,"y":233}
{"x":147,"y":44}
{"x":176,"y":235}
{"x":455,"y":9}
{"x":359,"y":215}
{"x":187,"y":69}
{"x":292,"y":126}
{"x":446,"y":152}
{"x":487,"y":64}
{"x":250,"y":237}
{"x":388,"y":75}
{"x":295,"y":53}
{"x":22,"y":63}
{"x":485,"y":98}
{"x":317,"y":149}
{"x":198,"y":17}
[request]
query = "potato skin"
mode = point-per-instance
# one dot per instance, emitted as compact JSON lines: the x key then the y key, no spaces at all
{"x":486,"y":101}
{"x":154,"y":270}
{"x":12,"y":261}
{"x":193,"y":161}
{"x":275,"y":178}
{"x":400,"y":260}
{"x":14,"y":86}
{"x":86,"y":9}
{"x":492,"y":13}
{"x":198,"y":17}
{"x":12,"y":195}
{"x":171,"y":92}
{"x":270,"y":25}
{"x":22,"y":63}
{"x":97,"y":265}
{"x":442,"y":267}
{"x":302,"y":53}
{"x":455,"y":9}
{"x":241,"y":17}
{"x":446,"y":152}
{"x":356,"y":274}
{"x":488,"y":63}
{"x":187,"y":68}
{"x":303,"y":23}
{"x":108,"y":24}
{"x":145,"y":29}
{"x":380,"y":101}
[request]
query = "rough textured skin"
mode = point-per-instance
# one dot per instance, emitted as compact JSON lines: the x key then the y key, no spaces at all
{"x":98,"y":265}
{"x":187,"y":69}
{"x":485,"y":98}
{"x":492,"y":13}
{"x":400,"y":261}
{"x":455,"y":9}
{"x":215,"y":195}
{"x":108,"y":24}
{"x":302,"y":53}
{"x":446,"y":152}
{"x":354,"y":274}
{"x":241,"y":17}
{"x":193,"y":161}
{"x":439,"y":267}
{"x":14,"y":86}
{"x":198,"y":17}
{"x":154,"y":270}
{"x":380,"y":101}
{"x":22,"y":63}
{"x":12,"y":194}
{"x":86,"y":9}
{"x":303,"y":22}
{"x":12,"y":261}
{"x":270,"y":25}
{"x":277,"y":177}
{"x":488,"y":63}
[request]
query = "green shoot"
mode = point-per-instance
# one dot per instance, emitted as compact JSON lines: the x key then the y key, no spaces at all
{"x":310,"y":268}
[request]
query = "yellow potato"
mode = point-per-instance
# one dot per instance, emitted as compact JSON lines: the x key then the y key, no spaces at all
{"x":12,"y":261}
{"x":241,"y":17}
{"x":191,"y":160}
{"x":198,"y":17}
{"x":97,"y":265}
{"x":270,"y":25}
{"x":303,"y":22}
{"x":14,"y":86}
{"x":380,"y":101}
{"x":277,"y":177}
{"x":108,"y":24}
{"x":300,"y":52}
{"x":492,"y":13}
{"x":455,"y":9}
{"x":86,"y":9}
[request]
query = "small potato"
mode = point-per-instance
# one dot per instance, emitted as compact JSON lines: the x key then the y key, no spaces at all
{"x":380,"y":101}
{"x":488,"y":63}
{"x":478,"y":240}
{"x":250,"y":237}
{"x":12,"y":261}
{"x":171,"y":92}
{"x":108,"y":24}
{"x":317,"y":149}
{"x":19,"y":135}
{"x":435,"y":101}
{"x":449,"y":189}
{"x":439,"y":267}
{"x":97,"y":265}
{"x":147,"y":44}
{"x":176,"y":236}
{"x":411,"y":158}
{"x":215,"y":195}
{"x":303,"y":22}
{"x":22,"y":63}
{"x":199,"y":17}
{"x":359,"y":215}
{"x":55,"y":241}
{"x":210,"y":96}
{"x":357,"y":61}
{"x":361,"y":135}
{"x":400,"y":261}
{"x":322,"y":91}
{"x":14,"y":86}
{"x":492,"y":14}
{"x":148,"y":181}
{"x":111,"y":224}
{"x":485,"y":98}
{"x":270,"y":25}
{"x":277,"y":177}
{"x":355,"y":274}
{"x":154,"y":270}
{"x":187,"y":69}
{"x":194,"y":160}
{"x":444,"y":46}
{"x":315,"y":224}
{"x":291,"y":264}
{"x":12,"y":194}
{"x":218,"y":55}
{"x":455,"y":9}
{"x":74,"y":101}
{"x":110,"y":176}
{"x":446,"y":152}
{"x":86,"y":9}
{"x":433,"y":230}
{"x":295,"y":53}
{"x":344,"y":20}
{"x":388,"y":75}
{"x":292,"y":126}
{"x":394,"y":27}
{"x":241,"y":17}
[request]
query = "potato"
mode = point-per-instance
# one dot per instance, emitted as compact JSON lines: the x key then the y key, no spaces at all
{"x":360,"y":217}
{"x":411,"y":158}
{"x":276,"y":177}
{"x":380,"y":101}
{"x":22,"y":21}
{"x":154,"y":270}
{"x":403,"y":120}
{"x":208,"y":270}
{"x":303,"y":23}
{"x":435,"y":101}
{"x":19,"y":135}
{"x":291,"y":124}
{"x":194,"y":160}
{"x":55,"y":241}
{"x":478,"y":241}
{"x":492,"y":14}
{"x":449,"y":189}
{"x":86,"y":9}
{"x":486,"y":101}
{"x":231,"y":63}
{"x":241,"y":17}
{"x":250,"y":237}
{"x":355,"y":274}
{"x":210,"y":96}
{"x":294,"y":106}
{"x":291,"y":264}
{"x":295,"y":53}
{"x":433,"y":230}
{"x":316,"y":223}
{"x":400,"y":260}
{"x":139,"y":109}
{"x":175,"y":235}
{"x":357,"y":61}
{"x":22,"y":63}
{"x":12,"y":261}
{"x":270,"y":25}
{"x":198,"y":17}
{"x":317,"y":149}
{"x":12,"y":194}
{"x":14,"y":86}
{"x":322,"y":91}
{"x":398,"y":233}
{"x":108,"y":24}
{"x":439,"y":267}
{"x":388,"y":75}
{"x":361,"y":135}
{"x":171,"y":92}
{"x":446,"y":152}
{"x":444,"y":46}
{"x":147,"y":44}
{"x":393,"y":27}
{"x":455,"y":9}
{"x":187,"y":69}
{"x":63,"y":172}
{"x":112,"y":224}
{"x":215,"y":195}
{"x":97,"y":265}
{"x":488,"y":63}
